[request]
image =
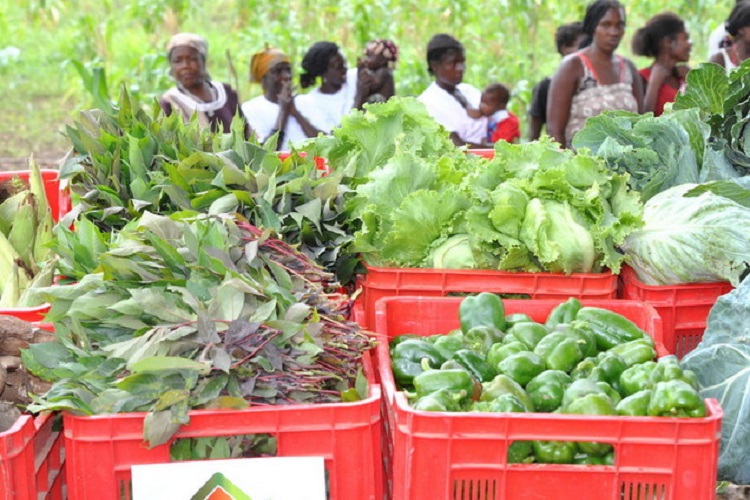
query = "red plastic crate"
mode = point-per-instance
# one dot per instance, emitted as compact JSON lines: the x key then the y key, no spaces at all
{"x":683,"y":308}
{"x":51,"y":188}
{"x":440,"y":455}
{"x":320,"y":163}
{"x":382,"y":282}
{"x":30,"y":314}
{"x":484,"y":153}
{"x":102,"y":449}
{"x":32,"y":459}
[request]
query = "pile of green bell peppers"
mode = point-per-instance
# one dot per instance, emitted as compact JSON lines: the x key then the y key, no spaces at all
{"x":580,"y":360}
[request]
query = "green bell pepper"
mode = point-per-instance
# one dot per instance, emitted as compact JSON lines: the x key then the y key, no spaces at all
{"x":448,"y":345}
{"x":482,"y":338}
{"x":499,"y":352}
{"x":546,"y":389}
{"x":610,"y":391}
{"x":584,"y":368}
{"x":559,"y":352}
{"x":440,"y":400}
{"x":586,"y":459}
{"x":502,"y":384}
{"x":592,"y":404}
{"x":458,"y":382}
{"x":637,"y":378}
{"x":476,"y":365}
{"x":554,"y":452}
{"x":407,"y":357}
{"x":484,"y":309}
{"x":563,"y":313}
{"x":407,"y":336}
{"x":512,"y":319}
{"x":505,"y":403}
{"x":609,"y":328}
{"x":520,"y":452}
{"x":582,"y":334}
{"x":578,"y":389}
{"x":635,"y":352}
{"x":668,"y":368}
{"x":522,"y":366}
{"x":529,"y":334}
{"x":609,"y":368}
{"x":635,"y":405}
{"x":676,"y":398}
{"x":404,"y":371}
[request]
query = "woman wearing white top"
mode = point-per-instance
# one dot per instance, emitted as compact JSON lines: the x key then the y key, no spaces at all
{"x":447,"y":99}
{"x":275,"y":110}
{"x":326,"y":105}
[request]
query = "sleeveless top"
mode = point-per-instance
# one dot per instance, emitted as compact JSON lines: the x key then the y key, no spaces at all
{"x":592,"y":98}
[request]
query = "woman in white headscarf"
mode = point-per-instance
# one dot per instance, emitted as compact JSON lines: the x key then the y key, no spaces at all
{"x":215,"y":104}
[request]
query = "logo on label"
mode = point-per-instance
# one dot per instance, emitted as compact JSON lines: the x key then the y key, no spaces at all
{"x":218,"y":487}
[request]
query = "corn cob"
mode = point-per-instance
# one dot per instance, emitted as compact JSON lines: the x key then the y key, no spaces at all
{"x":36,"y":186}
{"x":23,"y":229}
{"x":8,"y":210}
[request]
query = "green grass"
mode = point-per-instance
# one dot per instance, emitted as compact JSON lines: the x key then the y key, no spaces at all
{"x":511,"y":42}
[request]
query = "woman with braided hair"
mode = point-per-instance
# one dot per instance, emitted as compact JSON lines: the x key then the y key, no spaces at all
{"x":326,"y":105}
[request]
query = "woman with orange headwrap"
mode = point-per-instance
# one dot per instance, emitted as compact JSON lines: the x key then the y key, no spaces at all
{"x":275,"y":110}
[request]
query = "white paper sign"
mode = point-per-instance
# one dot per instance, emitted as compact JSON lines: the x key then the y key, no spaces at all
{"x":273,"y":478}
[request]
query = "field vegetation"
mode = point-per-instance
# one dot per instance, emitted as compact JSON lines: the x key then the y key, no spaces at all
{"x":57,"y":55}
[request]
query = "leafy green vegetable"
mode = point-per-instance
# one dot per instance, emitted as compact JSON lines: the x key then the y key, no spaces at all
{"x":690,"y":239}
{"x":226,"y":317}
{"x":722,"y":363}
{"x":130,"y":161}
{"x":531,"y":208}
{"x":723,"y":101}
{"x":655,"y":151}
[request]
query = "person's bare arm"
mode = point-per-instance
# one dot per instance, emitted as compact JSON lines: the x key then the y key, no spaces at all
{"x":385,"y":82}
{"x":535,"y":127}
{"x":637,"y":86}
{"x":561,"y":91}
{"x":365,"y":81}
{"x":307,"y":127}
{"x":659,"y":75}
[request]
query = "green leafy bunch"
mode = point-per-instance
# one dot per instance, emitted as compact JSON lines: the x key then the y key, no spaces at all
{"x":530,"y":208}
{"x":128,"y":160}
{"x":191,"y":311}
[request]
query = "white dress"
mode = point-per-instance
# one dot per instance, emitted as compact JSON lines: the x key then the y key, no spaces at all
{"x":449,"y":113}
{"x":261,"y":114}
{"x":325,"y":111}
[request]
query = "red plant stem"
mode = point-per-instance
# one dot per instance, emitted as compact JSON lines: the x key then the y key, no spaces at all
{"x":257,"y":349}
